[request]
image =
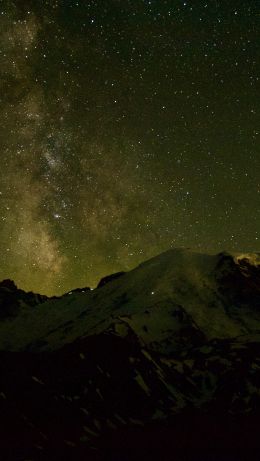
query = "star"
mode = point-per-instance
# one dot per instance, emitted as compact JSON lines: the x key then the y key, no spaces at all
{"x":120,"y":139}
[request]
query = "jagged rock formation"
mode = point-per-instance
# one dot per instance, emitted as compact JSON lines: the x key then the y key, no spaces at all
{"x":162,"y":362}
{"x":12,"y":300}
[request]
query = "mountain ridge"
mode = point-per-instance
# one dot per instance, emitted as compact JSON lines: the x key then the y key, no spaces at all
{"x":178,"y":280}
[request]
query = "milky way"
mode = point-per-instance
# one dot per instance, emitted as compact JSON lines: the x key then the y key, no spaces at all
{"x":126,"y":128}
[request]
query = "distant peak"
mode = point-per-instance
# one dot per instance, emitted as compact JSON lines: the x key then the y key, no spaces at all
{"x":7,"y":283}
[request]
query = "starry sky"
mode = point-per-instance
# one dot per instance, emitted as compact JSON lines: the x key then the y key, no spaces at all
{"x":126,"y":127}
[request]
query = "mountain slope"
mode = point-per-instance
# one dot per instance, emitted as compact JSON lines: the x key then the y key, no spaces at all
{"x":162,"y":362}
{"x":179,"y":290}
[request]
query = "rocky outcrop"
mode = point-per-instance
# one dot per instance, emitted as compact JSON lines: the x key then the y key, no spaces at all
{"x":12,"y":299}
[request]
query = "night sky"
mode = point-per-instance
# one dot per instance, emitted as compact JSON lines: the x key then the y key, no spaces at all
{"x":126,"y":128}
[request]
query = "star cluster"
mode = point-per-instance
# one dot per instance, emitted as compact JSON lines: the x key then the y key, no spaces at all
{"x":126,"y":127}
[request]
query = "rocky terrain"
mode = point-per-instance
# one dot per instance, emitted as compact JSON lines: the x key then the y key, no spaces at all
{"x":159,"y":363}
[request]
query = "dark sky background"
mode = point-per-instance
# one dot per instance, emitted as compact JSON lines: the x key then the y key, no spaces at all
{"x":126,"y":128}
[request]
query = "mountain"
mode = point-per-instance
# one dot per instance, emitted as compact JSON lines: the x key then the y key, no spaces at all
{"x":159,"y":363}
{"x":13,"y":300}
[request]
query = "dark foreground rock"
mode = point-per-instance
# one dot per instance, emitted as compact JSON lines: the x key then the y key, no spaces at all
{"x":108,"y":398}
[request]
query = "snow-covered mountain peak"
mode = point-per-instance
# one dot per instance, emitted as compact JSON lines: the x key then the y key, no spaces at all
{"x":164,"y":300}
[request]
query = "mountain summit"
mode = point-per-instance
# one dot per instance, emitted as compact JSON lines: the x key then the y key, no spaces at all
{"x":162,"y":362}
{"x":208,"y":296}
